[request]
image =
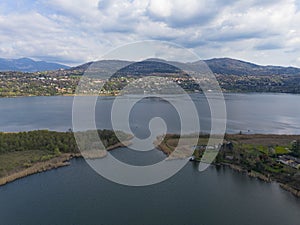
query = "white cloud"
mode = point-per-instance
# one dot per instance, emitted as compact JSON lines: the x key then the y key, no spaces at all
{"x":162,"y":9}
{"x":179,"y":13}
{"x":262,"y":31}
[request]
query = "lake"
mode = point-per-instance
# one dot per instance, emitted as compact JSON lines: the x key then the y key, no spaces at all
{"x":79,"y":196}
{"x":253,"y":113}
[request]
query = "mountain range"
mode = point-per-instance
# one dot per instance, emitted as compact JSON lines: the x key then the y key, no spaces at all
{"x":223,"y":66}
{"x":227,"y":66}
{"x":28,"y":65}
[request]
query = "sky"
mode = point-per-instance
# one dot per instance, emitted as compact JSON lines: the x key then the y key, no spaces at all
{"x":72,"y":32}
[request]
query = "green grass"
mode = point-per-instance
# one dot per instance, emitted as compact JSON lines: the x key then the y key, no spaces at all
{"x":281,"y":150}
{"x":273,"y":169}
{"x":251,"y":148}
{"x":263,"y":149}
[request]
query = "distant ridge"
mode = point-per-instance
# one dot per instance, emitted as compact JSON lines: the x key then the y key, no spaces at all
{"x":228,"y":66}
{"x":28,"y":65}
{"x":223,"y":66}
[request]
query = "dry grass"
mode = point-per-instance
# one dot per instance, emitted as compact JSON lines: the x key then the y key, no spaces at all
{"x":263,"y":139}
{"x":171,"y":141}
{"x":14,"y":161}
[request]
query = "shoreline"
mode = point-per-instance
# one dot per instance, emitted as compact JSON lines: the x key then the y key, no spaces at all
{"x":115,"y":95}
{"x":251,"y":174}
{"x":262,"y":177}
{"x":54,"y":163}
{"x":64,"y":160}
{"x":38,"y":167}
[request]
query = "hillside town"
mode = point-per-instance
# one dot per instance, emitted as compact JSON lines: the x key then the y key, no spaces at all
{"x":65,"y":81}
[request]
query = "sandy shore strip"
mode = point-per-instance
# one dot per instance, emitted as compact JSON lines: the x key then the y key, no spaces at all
{"x":60,"y":161}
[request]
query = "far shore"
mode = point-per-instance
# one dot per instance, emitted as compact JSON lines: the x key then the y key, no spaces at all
{"x":119,"y":94}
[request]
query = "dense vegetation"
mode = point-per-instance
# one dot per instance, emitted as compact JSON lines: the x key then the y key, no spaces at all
{"x":22,"y":150}
{"x":37,"y":140}
{"x":295,"y":148}
{"x":255,"y":154}
{"x":261,"y":155}
{"x":51,"y":141}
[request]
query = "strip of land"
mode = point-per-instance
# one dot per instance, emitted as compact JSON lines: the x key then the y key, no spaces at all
{"x":38,"y":167}
{"x":26,"y":153}
{"x":266,"y":157}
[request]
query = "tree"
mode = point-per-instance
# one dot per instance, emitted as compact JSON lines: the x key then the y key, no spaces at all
{"x":296,"y":147}
{"x":56,"y":151}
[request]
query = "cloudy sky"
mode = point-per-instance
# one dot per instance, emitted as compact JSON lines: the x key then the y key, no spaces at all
{"x":77,"y":31}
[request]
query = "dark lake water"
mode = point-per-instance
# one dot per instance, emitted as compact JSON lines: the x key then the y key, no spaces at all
{"x":254,"y":113}
{"x":76,"y":195}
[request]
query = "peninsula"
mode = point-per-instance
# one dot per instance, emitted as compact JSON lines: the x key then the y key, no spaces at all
{"x":268,"y":157}
{"x":26,"y":153}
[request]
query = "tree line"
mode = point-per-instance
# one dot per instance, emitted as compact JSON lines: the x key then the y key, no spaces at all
{"x":51,"y":141}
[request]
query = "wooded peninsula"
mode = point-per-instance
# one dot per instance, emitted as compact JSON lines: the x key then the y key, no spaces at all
{"x":26,"y":153}
{"x":267,"y":157}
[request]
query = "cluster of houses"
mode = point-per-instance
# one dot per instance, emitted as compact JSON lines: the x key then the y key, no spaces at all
{"x":290,"y":161}
{"x":284,"y":159}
